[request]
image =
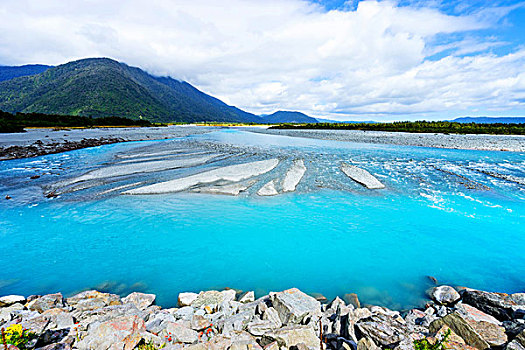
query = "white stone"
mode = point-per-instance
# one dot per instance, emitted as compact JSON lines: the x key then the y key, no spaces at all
{"x":144,"y":167}
{"x":361,"y":176}
{"x":233,"y":173}
{"x":268,"y":189}
{"x":293,"y":176}
{"x":185,"y":299}
{"x":11,"y":299}
{"x":247,"y":297}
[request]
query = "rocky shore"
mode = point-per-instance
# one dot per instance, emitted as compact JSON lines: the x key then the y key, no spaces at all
{"x":228,"y":319}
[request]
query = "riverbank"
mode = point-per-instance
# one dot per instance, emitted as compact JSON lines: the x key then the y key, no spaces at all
{"x":512,"y":143}
{"x":460,"y":318}
{"x":37,"y":142}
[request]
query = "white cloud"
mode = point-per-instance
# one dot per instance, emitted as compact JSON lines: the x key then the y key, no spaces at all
{"x":281,"y":54}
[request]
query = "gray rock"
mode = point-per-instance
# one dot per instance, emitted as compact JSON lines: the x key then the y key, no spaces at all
{"x":8,"y":300}
{"x":236,"y":322}
{"x":6,"y":312}
{"x":500,"y":305}
{"x":157,"y":322}
{"x":292,"y":335}
{"x":383,"y":329}
{"x":180,"y":333}
{"x":270,"y":314}
{"x":367,"y":344}
{"x":211,"y":298}
{"x":247,"y":297}
{"x":92,"y":300}
{"x":295,"y":306}
{"x":444,"y":295}
{"x":123,"y":332}
{"x":46,"y":302}
{"x":462,"y":328}
{"x":184,"y":313}
{"x":186,"y":299}
{"x":140,"y":300}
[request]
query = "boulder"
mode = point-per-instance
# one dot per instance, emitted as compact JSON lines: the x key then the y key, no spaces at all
{"x":6,"y":312}
{"x":180,"y":333}
{"x":157,"y":322}
{"x":487,"y":326}
{"x":462,"y":328}
{"x":211,"y":298}
{"x":247,"y":297}
{"x":352,"y":299}
{"x":185,"y":299}
{"x":140,"y":300}
{"x":383,"y":329}
{"x":367,"y":344}
{"x":270,"y":314}
{"x":123,"y":332}
{"x":46,"y":302}
{"x":500,"y":305}
{"x":295,"y":306}
{"x":444,"y":295}
{"x":92,"y":300}
{"x":292,"y":335}
{"x":9,"y":300}
{"x":58,"y":318}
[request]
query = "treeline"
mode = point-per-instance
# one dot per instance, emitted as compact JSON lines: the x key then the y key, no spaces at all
{"x":17,"y":122}
{"x":418,"y":126}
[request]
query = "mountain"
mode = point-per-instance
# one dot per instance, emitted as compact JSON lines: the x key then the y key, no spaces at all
{"x":288,"y":117}
{"x":490,"y":120}
{"x":7,"y":72}
{"x":102,"y":87}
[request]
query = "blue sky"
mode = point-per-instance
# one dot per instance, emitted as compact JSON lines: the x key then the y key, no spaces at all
{"x":359,"y":60}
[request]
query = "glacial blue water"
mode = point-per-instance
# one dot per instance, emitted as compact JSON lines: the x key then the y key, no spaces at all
{"x":382,"y":245}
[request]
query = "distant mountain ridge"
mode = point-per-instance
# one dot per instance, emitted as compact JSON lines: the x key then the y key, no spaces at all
{"x":491,"y":120}
{"x":102,"y":87}
{"x":11,"y":72}
{"x":288,"y":117}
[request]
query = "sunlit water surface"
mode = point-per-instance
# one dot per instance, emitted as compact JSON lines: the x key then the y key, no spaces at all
{"x":326,"y":239}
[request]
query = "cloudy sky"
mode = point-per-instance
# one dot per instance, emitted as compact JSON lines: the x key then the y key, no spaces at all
{"x":360,"y":60}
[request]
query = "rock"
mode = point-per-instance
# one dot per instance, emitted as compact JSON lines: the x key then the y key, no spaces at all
{"x":247,"y":297}
{"x":515,"y":345}
{"x":352,"y":299}
{"x":272,"y":346}
{"x":211,"y":298}
{"x":8,"y":300}
{"x":6,"y":312}
{"x":444,"y":295}
{"x":519,"y":340}
{"x":55,"y":346}
{"x":367,"y":344}
{"x":46,"y":302}
{"x":270,"y":314}
{"x":180,"y":333}
{"x":237,"y":322}
{"x":295,"y":306}
{"x":500,"y":305}
{"x":487,"y":326}
{"x":59,"y":318}
{"x":157,"y":322}
{"x":140,"y":300}
{"x":120,"y":333}
{"x":232,"y":173}
{"x":92,"y":300}
{"x":361,"y":176}
{"x":229,"y":295}
{"x":293,"y":176}
{"x":268,"y":189}
{"x":186,"y":299}
{"x":199,"y":323}
{"x":462,"y":328}
{"x":514,"y":327}
{"x":362,"y":313}
{"x":383,"y":329}
{"x":291,"y":336}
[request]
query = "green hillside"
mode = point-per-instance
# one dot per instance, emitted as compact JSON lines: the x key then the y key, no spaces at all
{"x":101,"y":87}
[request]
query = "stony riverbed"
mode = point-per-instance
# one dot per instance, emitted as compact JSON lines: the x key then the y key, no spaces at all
{"x":290,"y":319}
